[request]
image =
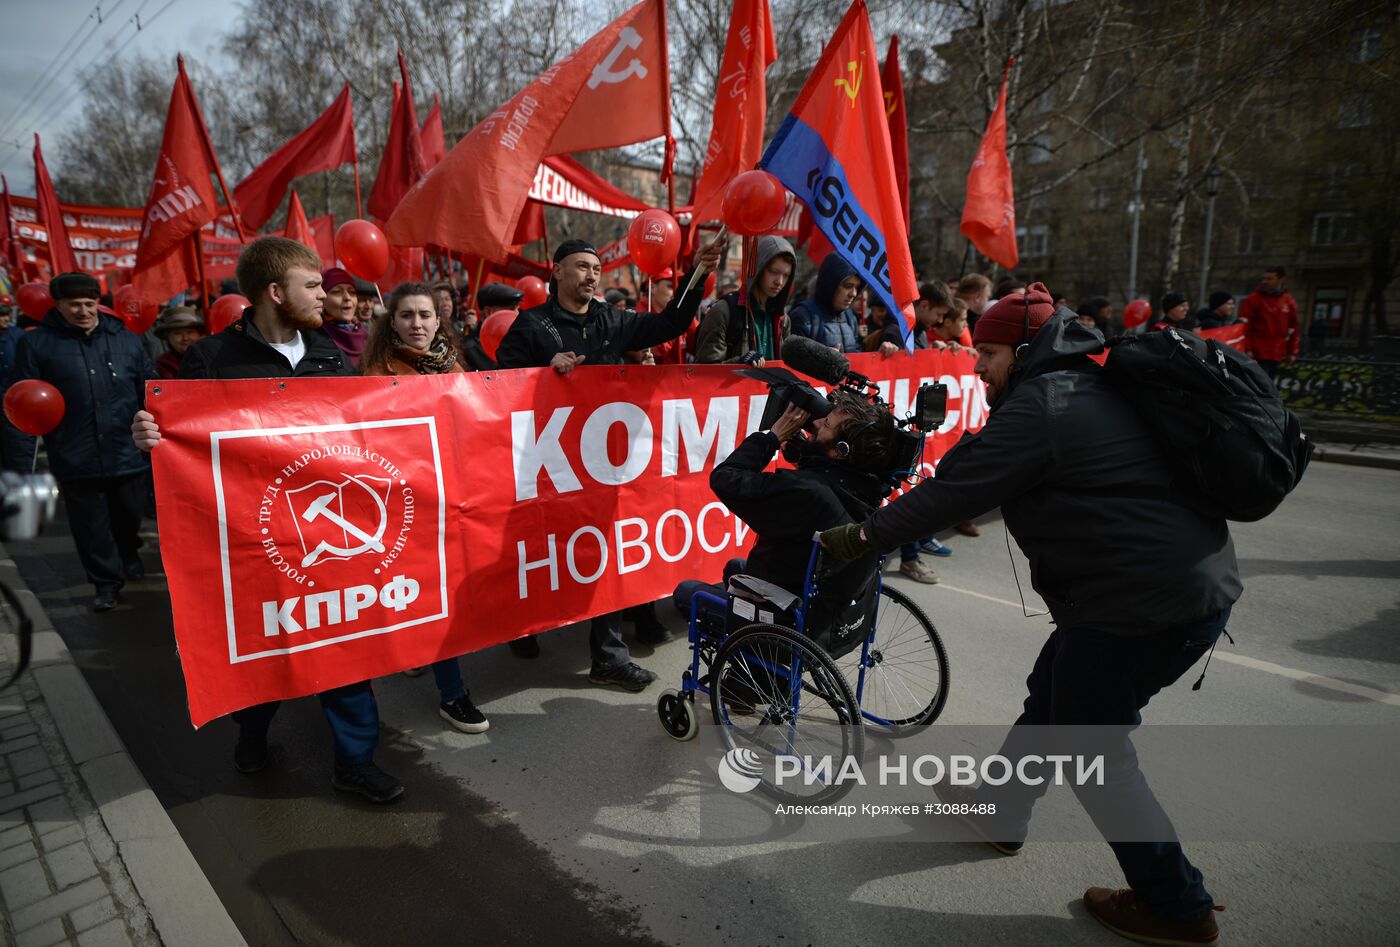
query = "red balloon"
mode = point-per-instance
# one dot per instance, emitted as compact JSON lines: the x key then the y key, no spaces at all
{"x":138,"y":314}
{"x":753,"y":203}
{"x":536,"y":293}
{"x":654,"y":241}
{"x":362,"y":248}
{"x":34,"y":406}
{"x":226,"y":311}
{"x":34,"y":299}
{"x":1136,"y":313}
{"x":494,"y":329}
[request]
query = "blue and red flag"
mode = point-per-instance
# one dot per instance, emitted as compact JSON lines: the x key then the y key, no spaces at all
{"x":833,"y":151}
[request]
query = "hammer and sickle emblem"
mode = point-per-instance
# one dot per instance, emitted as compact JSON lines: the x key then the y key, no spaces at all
{"x":889,"y":104}
{"x":320,"y":508}
{"x":851,"y":85}
{"x":606,"y":71}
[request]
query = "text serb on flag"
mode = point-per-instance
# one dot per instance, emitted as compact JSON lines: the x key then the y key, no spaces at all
{"x":181,"y":200}
{"x":472,"y":200}
{"x":989,"y":213}
{"x":833,"y":152}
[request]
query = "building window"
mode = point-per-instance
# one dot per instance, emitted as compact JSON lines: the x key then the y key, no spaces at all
{"x":1368,"y":47}
{"x":1333,"y":230}
{"x":1355,"y":112}
{"x":1101,"y":197}
{"x":1034,"y":241}
{"x":1037,"y":206}
{"x":1329,"y":314}
{"x":1040,"y":149}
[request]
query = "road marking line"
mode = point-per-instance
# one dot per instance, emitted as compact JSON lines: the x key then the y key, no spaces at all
{"x":1307,"y":677}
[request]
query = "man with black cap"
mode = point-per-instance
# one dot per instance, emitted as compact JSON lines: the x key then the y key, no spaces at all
{"x":493,"y":297}
{"x":572,"y":328}
{"x":1220,"y":311}
{"x":101,"y":370}
{"x":1139,"y":585}
{"x":1176,"y":313}
{"x":490,"y":299}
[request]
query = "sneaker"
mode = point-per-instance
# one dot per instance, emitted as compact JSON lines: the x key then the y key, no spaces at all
{"x":414,"y":672}
{"x":135,"y":570}
{"x":105,"y":601}
{"x":1121,"y":912}
{"x":526,"y":647}
{"x":654,"y":633}
{"x":965,"y":796}
{"x":629,"y":676}
{"x":462,"y":715}
{"x":916,"y":570}
{"x":250,"y":752}
{"x":968,"y":528}
{"x":934,"y":548}
{"x":366,"y":779}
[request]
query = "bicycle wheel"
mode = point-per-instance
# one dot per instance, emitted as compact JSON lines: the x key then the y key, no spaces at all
{"x":906,"y":668}
{"x":788,"y":717}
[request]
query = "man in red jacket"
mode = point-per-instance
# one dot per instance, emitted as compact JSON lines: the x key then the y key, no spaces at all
{"x":1271,"y":336}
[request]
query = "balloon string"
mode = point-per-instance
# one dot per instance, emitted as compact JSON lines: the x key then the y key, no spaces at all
{"x":34,"y":464}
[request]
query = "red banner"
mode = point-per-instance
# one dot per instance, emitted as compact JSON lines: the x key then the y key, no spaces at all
{"x":1231,"y":335}
{"x":318,"y":532}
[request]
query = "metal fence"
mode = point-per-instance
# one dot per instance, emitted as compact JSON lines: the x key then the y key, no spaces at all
{"x":1351,"y":387}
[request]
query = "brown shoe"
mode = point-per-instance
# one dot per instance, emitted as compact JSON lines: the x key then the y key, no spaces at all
{"x":1121,"y":912}
{"x":968,"y":528}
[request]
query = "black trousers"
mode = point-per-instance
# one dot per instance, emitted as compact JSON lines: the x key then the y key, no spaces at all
{"x":104,"y":516}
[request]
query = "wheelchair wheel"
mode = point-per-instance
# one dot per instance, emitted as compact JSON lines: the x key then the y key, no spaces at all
{"x":776,"y":694}
{"x":678,"y":717}
{"x":906,"y":668}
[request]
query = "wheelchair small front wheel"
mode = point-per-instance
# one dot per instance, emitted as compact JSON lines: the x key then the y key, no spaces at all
{"x":678,"y":716}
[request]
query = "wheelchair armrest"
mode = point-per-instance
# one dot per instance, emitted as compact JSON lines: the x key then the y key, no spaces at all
{"x":758,"y":591}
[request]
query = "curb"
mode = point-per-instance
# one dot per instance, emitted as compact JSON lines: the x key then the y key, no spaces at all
{"x":1340,"y":455}
{"x":182,"y":904}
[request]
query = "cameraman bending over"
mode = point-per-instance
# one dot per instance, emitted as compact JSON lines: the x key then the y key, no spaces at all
{"x":840,"y":478}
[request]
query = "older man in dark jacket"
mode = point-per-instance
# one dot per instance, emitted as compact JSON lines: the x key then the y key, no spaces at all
{"x":101,"y":370}
{"x":1139,"y":584}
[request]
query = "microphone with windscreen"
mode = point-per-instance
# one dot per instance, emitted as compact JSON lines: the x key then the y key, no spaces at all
{"x":815,"y":360}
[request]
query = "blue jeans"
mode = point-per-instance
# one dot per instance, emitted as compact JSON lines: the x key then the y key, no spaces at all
{"x":1092,"y":678}
{"x":350,"y":710}
{"x":686,"y":590}
{"x":448,"y":674}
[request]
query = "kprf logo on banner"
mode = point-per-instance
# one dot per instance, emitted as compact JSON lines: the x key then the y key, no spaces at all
{"x":329,"y":533}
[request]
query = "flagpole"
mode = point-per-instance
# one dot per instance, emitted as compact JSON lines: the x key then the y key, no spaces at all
{"x":203,"y":281}
{"x":359,"y":207}
{"x":475,"y":287}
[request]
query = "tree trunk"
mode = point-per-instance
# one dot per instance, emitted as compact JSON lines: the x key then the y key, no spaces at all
{"x":1182,"y":189}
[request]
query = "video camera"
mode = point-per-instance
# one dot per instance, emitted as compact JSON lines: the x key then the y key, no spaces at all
{"x":829,"y":366}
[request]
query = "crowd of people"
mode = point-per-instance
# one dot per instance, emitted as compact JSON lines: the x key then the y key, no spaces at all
{"x":310,"y":321}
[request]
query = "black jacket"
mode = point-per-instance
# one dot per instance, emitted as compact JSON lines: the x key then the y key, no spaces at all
{"x":602,"y":334}
{"x":102,"y":376}
{"x":786,"y":507}
{"x":1083,"y":486}
{"x":240,"y":351}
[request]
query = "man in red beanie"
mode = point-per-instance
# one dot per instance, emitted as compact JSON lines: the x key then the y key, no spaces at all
{"x":1139,"y":586}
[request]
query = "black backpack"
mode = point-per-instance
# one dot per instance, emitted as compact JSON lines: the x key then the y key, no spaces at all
{"x":1237,"y":451}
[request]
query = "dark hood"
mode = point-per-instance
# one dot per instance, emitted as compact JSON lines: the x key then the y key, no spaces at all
{"x":1061,"y":343}
{"x":830,"y":275}
{"x":767,"y":248}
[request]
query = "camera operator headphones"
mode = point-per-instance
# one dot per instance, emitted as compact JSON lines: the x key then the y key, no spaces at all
{"x":1023,"y":350}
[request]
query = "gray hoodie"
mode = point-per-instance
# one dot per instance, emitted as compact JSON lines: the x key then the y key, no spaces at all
{"x":729,"y":330}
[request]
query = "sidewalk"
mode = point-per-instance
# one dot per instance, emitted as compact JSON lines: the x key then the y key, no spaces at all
{"x":87,"y":854}
{"x":1386,"y":456}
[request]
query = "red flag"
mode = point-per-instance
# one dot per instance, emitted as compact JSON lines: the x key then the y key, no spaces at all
{"x":324,"y":230}
{"x":298,"y":227}
{"x":531,"y":225}
{"x":434,"y":143}
{"x":402,"y":166}
{"x":833,"y":152}
{"x":892,"y":83}
{"x":60,"y":250}
{"x":989,"y":214}
{"x":11,"y":248}
{"x":736,"y":134}
{"x":326,"y":143}
{"x":472,"y":201}
{"x":181,"y":201}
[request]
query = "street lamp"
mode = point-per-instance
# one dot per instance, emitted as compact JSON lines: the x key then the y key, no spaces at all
{"x":1212,"y":191}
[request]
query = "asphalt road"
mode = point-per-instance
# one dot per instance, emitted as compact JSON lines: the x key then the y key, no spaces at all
{"x":575,"y":818}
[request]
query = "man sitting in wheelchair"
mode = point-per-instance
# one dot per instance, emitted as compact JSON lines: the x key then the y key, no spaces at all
{"x":842,"y":474}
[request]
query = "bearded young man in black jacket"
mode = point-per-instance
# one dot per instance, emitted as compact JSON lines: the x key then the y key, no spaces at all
{"x":280,"y":336}
{"x":572,"y":328}
{"x":1138,"y":583}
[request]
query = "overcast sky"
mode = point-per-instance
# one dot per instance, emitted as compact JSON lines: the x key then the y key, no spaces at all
{"x":34,"y":32}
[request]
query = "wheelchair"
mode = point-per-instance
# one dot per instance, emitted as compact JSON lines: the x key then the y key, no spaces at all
{"x":775,"y":691}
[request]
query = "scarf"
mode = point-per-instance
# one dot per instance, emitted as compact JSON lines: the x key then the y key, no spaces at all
{"x":436,"y":361}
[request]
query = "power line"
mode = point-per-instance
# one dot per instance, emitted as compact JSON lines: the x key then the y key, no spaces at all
{"x":19,"y":104}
